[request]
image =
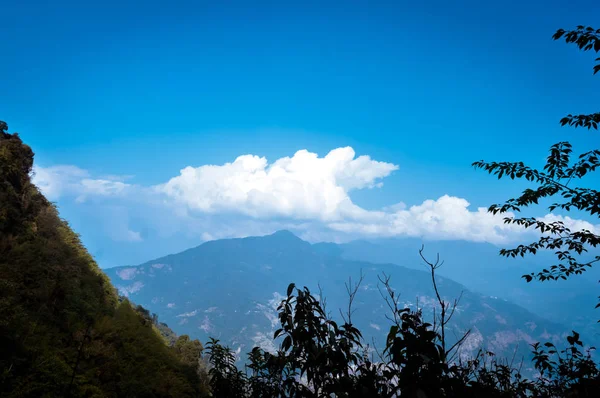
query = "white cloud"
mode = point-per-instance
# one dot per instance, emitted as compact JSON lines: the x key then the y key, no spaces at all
{"x":301,"y":187}
{"x":100,"y":187}
{"x":56,"y":181}
{"x":132,"y":236}
{"x":71,"y":181}
{"x":63,"y":180}
{"x":250,"y":196}
{"x":572,"y":224}
{"x":448,"y":217}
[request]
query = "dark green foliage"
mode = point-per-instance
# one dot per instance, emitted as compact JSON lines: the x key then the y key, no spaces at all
{"x":556,"y":180}
{"x":573,"y":370}
{"x":553,"y":181}
{"x":63,"y":331}
{"x":226,"y":380}
{"x":318,"y":358}
{"x":189,"y":353}
{"x":127,"y":358}
{"x":586,"y":39}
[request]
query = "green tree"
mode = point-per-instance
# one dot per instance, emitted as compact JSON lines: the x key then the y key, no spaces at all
{"x":557,"y":182}
{"x":63,"y":331}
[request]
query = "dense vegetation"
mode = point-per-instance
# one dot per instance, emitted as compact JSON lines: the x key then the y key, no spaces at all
{"x":318,"y":357}
{"x":64,"y":332}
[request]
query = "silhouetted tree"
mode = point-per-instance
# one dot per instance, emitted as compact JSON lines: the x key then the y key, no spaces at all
{"x":557,"y":180}
{"x":317,"y":358}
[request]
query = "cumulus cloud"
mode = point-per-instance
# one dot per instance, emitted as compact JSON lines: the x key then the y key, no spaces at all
{"x":306,"y":193}
{"x":446,"y":217}
{"x":301,"y":187}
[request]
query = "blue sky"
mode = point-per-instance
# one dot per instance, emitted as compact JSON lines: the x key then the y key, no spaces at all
{"x":134,"y":92}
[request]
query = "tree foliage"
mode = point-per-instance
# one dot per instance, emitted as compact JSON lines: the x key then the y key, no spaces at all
{"x":557,"y":180}
{"x":63,"y":331}
{"x":318,"y":357}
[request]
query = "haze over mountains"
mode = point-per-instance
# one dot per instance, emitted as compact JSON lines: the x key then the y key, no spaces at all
{"x":480,"y":268}
{"x":230,"y":289}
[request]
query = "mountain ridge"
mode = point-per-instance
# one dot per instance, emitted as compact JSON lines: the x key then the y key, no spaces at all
{"x":230,"y":289}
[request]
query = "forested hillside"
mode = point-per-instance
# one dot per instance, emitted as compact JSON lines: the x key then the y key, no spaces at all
{"x":63,"y":330}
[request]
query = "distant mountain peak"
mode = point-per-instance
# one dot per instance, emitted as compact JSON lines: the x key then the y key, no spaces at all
{"x":286,"y":238}
{"x":285,"y":233}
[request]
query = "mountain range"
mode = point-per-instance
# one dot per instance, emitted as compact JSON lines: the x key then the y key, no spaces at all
{"x":229,"y":289}
{"x":480,"y":268}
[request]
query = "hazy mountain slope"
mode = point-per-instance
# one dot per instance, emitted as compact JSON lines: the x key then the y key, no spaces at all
{"x":63,"y":331}
{"x":479,"y":267}
{"x":230,"y":288}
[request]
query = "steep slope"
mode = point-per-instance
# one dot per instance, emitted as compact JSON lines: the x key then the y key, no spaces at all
{"x":230,"y":289}
{"x":63,"y":331}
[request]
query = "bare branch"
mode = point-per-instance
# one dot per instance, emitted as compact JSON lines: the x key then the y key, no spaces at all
{"x":323,"y":301}
{"x":433,"y":267}
{"x":351,"y":290}
{"x":391,"y":299}
{"x":379,"y":354}
{"x":445,"y":316}
{"x":457,"y":345}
